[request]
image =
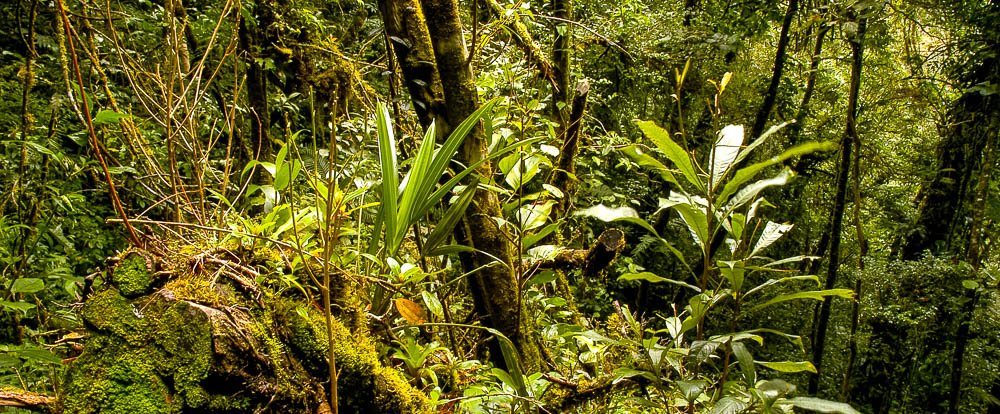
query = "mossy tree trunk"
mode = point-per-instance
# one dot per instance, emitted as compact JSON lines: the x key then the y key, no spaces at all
{"x":494,"y":285}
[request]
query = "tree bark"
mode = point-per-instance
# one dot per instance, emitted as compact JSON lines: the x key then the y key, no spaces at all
{"x":563,"y":177}
{"x":944,"y":199}
{"x":840,"y":199}
{"x":253,"y":41}
{"x":494,"y":285}
{"x":974,"y":257}
{"x":563,"y":10}
{"x":764,"y":113}
{"x":411,"y":43}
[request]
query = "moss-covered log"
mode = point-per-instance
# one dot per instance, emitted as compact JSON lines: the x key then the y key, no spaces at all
{"x":201,"y":341}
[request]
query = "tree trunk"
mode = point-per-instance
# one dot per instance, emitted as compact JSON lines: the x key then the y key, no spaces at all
{"x":253,"y":42}
{"x":563,"y":10}
{"x":411,"y":43}
{"x":944,"y":199}
{"x":494,"y":285}
{"x":840,"y":199}
{"x":764,"y":113}
{"x":495,"y":288}
{"x":974,"y":258}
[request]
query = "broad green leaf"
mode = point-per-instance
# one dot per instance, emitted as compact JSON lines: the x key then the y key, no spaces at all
{"x":814,"y":295}
{"x":755,"y":142}
{"x":691,"y":389}
{"x":653,"y":278}
{"x":772,"y":232}
{"x":738,"y":337}
{"x":24,"y":307}
{"x":107,"y":116}
{"x":794,"y":339}
{"x":728,"y":405}
{"x":696,"y":221}
{"x":644,"y":160}
{"x":622,"y":373}
{"x":556,"y":192}
{"x":734,"y":272}
{"x":746,"y":362}
{"x":433,"y":304}
{"x":673,"y":152}
{"x":41,"y":149}
{"x":521,"y":169}
{"x":27,"y":285}
{"x":773,"y":389}
{"x":542,"y":278}
{"x":792,"y":259}
{"x":609,"y":214}
{"x":450,"y":249}
{"x":534,"y":215}
{"x":532,"y":239}
{"x":749,"y":193}
{"x":744,"y":175}
{"x":771,"y":282}
{"x":789,"y":366}
{"x":821,"y":405}
{"x":513,"y":361}
{"x":726,"y":149}
{"x":37,"y":355}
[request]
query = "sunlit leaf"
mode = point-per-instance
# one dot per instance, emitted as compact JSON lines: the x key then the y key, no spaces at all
{"x":107,"y":116}
{"x":728,"y":405}
{"x":821,"y":405}
{"x":680,"y":158}
{"x":725,"y":151}
{"x":27,"y":285}
{"x":814,"y":295}
{"x":789,"y":366}
{"x":410,"y":310}
{"x":744,"y":175}
{"x":433,"y":304}
{"x":609,"y":214}
{"x":772,"y":232}
{"x":653,"y":278}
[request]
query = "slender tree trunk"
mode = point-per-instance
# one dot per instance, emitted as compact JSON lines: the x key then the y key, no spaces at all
{"x":803,"y":112}
{"x":974,"y":258}
{"x":764,"y":113}
{"x":253,"y":43}
{"x":840,"y":199}
{"x":562,"y":9}
{"x":852,"y":346}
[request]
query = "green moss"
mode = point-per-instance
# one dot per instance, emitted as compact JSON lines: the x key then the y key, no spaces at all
{"x":364,"y":384}
{"x":147,"y":356}
{"x":184,"y":334}
{"x":112,"y":377}
{"x":109,"y":311}
{"x":132,"y":276}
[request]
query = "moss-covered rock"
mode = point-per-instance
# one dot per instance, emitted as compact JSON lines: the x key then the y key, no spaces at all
{"x":132,"y":276}
{"x":203,"y":344}
{"x":366,"y":385}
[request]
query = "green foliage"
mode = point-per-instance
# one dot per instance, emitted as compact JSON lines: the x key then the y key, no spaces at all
{"x":718,"y":198}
